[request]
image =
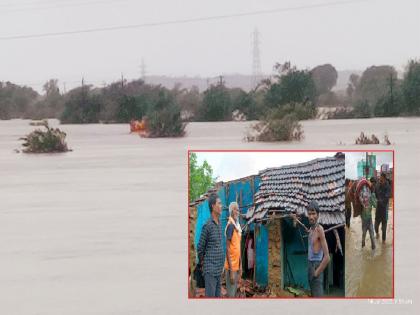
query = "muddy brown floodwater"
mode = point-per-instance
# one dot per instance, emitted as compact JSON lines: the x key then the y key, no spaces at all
{"x":368,"y":273}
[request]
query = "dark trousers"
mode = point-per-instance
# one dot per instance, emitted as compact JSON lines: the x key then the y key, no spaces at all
{"x":380,"y":218}
{"x":212,"y":285}
{"x":315,"y":283}
{"x":348,"y":217}
{"x":367,"y":225}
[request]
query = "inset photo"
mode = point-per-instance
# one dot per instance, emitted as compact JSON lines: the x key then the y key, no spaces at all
{"x":369,"y":224}
{"x":266,"y":224}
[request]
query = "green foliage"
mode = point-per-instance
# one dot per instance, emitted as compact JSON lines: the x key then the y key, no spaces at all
{"x":411,"y":88}
{"x":324,"y":77}
{"x":377,"y":92}
{"x":292,"y":86}
{"x":279,"y":128}
{"x":216,"y":105}
{"x":49,"y":141}
{"x":82,"y":106}
{"x":124,"y":101}
{"x":247,"y":103}
{"x":362,"y":109}
{"x":282,"y":123}
{"x":15,"y":100}
{"x":164,"y":119}
{"x":374,"y":84}
{"x":132,"y":107}
{"x":201,"y":177}
{"x":389,"y":105}
{"x":50,"y":105}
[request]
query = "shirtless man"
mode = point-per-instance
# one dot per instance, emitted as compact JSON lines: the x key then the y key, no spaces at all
{"x":318,"y":255}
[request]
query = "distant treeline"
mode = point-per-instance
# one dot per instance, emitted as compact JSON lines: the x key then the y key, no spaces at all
{"x":376,"y":92}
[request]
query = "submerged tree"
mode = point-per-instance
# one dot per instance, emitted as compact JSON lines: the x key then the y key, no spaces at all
{"x":49,"y":141}
{"x":82,"y":106}
{"x":216,"y":105}
{"x":325,"y":78}
{"x":374,"y":84}
{"x":291,"y":86}
{"x":411,"y":88}
{"x":282,"y":123}
{"x":15,"y":100}
{"x":164,"y":118}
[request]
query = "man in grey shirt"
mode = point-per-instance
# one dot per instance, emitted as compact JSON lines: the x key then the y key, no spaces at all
{"x":210,"y":249}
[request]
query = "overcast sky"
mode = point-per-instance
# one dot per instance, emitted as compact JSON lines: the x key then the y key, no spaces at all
{"x":352,"y":35}
{"x":233,"y":165}
{"x":353,"y":157}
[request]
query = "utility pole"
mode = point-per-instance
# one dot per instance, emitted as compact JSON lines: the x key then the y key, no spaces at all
{"x":122,"y":80}
{"x":83,"y":81}
{"x":221,"y":82}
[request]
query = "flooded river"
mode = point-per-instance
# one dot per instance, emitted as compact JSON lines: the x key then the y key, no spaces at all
{"x":103,"y":229}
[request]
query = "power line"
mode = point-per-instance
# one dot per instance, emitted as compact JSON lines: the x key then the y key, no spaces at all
{"x":181,"y":21}
{"x":16,"y":3}
{"x":61,"y":6}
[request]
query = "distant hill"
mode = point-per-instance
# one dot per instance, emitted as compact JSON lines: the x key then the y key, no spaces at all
{"x":242,"y":81}
{"x":231,"y":80}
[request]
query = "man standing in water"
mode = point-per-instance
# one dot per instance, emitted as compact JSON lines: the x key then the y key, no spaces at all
{"x":368,"y":201}
{"x":318,"y":254}
{"x":383,"y":193}
{"x":210,"y":250}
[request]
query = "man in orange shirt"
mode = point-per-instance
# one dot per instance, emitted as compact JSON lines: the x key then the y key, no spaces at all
{"x":233,"y":263}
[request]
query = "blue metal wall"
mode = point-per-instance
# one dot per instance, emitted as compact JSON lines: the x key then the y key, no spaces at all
{"x":261,"y":255}
{"x":295,"y":253}
{"x":228,"y":193}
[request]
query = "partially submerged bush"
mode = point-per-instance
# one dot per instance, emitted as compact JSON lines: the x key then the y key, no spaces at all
{"x":285,"y":128}
{"x":49,"y":141}
{"x":363,"y":139}
{"x":282,"y":123}
{"x":82,"y":105}
{"x":165,"y":120}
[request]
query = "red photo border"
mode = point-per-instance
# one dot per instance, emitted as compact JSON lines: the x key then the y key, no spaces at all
{"x":294,"y":298}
